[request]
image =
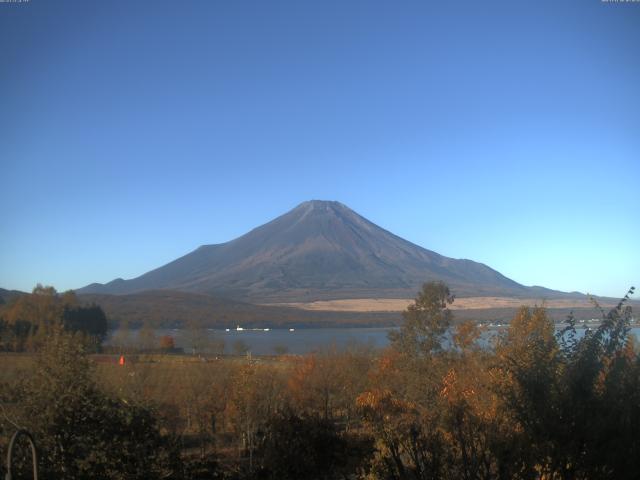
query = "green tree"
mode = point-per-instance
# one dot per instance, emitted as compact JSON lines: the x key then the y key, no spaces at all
{"x":89,"y":320}
{"x":425,"y":322}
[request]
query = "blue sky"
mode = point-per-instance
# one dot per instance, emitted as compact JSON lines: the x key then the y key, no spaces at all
{"x":504,"y":132}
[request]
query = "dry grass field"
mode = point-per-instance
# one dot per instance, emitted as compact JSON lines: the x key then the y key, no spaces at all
{"x":468,"y":303}
{"x":165,"y":379}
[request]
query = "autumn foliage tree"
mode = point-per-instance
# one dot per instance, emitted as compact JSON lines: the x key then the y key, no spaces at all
{"x":167,"y":343}
{"x":446,"y":400}
{"x":539,"y":404}
{"x":27,"y":320}
{"x":576,"y":399}
{"x":402,"y":407}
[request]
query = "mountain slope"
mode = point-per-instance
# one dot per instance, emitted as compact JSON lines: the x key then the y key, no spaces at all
{"x":7,"y":295}
{"x":318,"y":250}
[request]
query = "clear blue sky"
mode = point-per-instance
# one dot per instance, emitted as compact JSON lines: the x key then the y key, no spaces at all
{"x":506,"y":132}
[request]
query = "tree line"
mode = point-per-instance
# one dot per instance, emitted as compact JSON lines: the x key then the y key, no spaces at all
{"x":27,"y":321}
{"x":538,"y":404}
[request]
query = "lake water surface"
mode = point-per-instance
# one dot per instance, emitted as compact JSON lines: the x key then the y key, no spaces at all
{"x":298,"y":341}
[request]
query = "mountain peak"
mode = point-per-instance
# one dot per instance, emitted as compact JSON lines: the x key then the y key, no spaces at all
{"x":322,"y":206}
{"x":319,"y":250}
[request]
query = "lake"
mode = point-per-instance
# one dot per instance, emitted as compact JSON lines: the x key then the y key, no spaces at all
{"x":298,"y":341}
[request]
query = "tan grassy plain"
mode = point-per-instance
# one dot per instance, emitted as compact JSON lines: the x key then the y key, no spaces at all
{"x":399,"y":304}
